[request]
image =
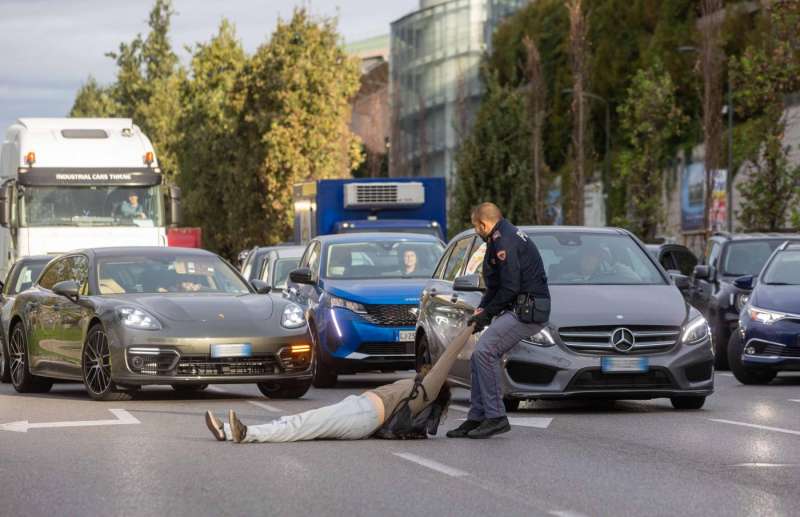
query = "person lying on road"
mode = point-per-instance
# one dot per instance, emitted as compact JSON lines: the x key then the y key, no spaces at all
{"x":374,"y":412}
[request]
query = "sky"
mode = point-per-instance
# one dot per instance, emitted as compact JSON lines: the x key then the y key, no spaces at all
{"x":49,"y":47}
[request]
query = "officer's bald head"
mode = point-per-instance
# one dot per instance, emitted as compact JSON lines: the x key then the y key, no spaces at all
{"x":484,"y":217}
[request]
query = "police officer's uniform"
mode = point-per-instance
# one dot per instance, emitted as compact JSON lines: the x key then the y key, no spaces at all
{"x":512,"y":266}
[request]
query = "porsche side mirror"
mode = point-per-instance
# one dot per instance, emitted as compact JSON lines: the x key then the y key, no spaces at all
{"x":260,"y":286}
{"x":744,"y":283}
{"x":302,"y":276}
{"x":68,"y":289}
{"x":468,"y":283}
{"x":702,"y":272}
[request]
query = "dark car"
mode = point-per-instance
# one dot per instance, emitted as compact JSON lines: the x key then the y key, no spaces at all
{"x":768,"y":338}
{"x":362,"y":292}
{"x":619,"y":327}
{"x":120,"y":318}
{"x":21,"y":277}
{"x":728,"y":257}
{"x":277,"y":263}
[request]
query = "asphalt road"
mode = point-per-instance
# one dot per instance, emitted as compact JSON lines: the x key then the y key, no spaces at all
{"x":740,"y":455}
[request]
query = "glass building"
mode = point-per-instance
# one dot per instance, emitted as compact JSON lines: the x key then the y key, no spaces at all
{"x":435,"y":86}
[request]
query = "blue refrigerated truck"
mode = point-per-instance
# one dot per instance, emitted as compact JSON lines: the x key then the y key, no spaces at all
{"x":413,"y":205}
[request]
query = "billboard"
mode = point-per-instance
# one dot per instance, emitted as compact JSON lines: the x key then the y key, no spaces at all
{"x":718,"y":215}
{"x":692,"y":197}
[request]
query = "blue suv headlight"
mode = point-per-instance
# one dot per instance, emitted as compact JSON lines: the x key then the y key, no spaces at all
{"x":347,"y":304}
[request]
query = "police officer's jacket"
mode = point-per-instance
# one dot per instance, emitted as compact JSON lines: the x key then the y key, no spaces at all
{"x":512,"y":266}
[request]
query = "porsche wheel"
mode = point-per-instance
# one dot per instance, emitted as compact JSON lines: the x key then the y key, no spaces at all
{"x":18,"y":365}
{"x":284,"y":389}
{"x":96,"y":368}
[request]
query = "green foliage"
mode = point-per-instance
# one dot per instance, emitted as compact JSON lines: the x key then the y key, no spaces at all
{"x":767,"y":71}
{"x":93,"y":100}
{"x":650,"y":120}
{"x":493,"y":164}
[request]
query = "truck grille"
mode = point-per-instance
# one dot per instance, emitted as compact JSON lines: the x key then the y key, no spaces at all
{"x":597,"y":340}
{"x":391,"y":315}
{"x":225,"y":367}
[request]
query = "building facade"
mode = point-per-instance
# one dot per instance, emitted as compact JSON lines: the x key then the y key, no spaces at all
{"x":435,"y":80}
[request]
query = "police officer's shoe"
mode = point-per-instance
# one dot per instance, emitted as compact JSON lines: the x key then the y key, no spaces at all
{"x":490,"y":427}
{"x":462,"y":430}
{"x":214,"y":425}
{"x":238,"y":429}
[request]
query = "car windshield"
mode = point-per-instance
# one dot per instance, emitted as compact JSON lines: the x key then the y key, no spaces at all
{"x":784,"y":269}
{"x":424,"y":231}
{"x":391,"y":258}
{"x":748,"y":257}
{"x":282,"y":269}
{"x":91,"y":206}
{"x":594,"y":258}
{"x":167,"y":274}
{"x":28,"y":274}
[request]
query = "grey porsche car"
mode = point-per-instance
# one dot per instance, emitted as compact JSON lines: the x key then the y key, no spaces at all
{"x":619,"y":327}
{"x":117,"y":319}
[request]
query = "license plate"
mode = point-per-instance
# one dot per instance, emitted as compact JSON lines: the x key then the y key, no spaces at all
{"x":233,"y":350}
{"x":624,"y":364}
{"x":405,"y":335}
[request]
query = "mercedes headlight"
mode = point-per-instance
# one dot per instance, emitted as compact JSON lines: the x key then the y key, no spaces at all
{"x":695,"y":331}
{"x":764,"y":316}
{"x":541,"y":338}
{"x":293,"y":316}
{"x":347,"y":304}
{"x":138,"y":319}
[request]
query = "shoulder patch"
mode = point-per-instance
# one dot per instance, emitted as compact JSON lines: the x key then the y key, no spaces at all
{"x":501,"y":255}
{"x":496,"y":235}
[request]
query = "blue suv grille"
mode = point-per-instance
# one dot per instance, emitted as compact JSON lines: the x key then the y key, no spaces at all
{"x":391,"y":315}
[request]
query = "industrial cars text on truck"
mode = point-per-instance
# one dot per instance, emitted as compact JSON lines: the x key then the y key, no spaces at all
{"x":80,"y":182}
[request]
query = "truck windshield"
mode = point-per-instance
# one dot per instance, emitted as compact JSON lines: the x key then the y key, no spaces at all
{"x":382,"y":259}
{"x":91,"y":206}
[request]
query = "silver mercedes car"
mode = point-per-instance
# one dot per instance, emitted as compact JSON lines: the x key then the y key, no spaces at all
{"x":619,"y":326}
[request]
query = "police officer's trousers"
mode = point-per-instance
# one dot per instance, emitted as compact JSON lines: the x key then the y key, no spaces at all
{"x":502,"y":335}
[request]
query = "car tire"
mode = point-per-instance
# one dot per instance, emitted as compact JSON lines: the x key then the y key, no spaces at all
{"x":5,"y":372}
{"x":720,"y":341}
{"x":511,"y":405}
{"x":687,"y":402}
{"x":96,"y":368}
{"x":746,"y":374}
{"x":422,"y":353}
{"x":284,"y":389}
{"x":323,"y":376}
{"x":189,"y":388}
{"x":21,"y":377}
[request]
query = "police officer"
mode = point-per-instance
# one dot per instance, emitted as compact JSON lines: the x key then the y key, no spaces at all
{"x":515,"y":279}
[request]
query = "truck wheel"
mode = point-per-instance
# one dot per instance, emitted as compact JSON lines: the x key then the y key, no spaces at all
{"x":323,"y":375}
{"x":746,"y":374}
{"x":21,"y":377}
{"x":284,"y":389}
{"x":687,"y":403}
{"x":719,"y":335}
{"x":96,"y":368}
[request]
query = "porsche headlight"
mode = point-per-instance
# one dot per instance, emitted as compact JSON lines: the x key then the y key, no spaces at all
{"x":293,"y":316}
{"x":138,"y":319}
{"x":764,"y":316}
{"x":541,"y":338}
{"x":347,"y":304}
{"x":695,"y":331}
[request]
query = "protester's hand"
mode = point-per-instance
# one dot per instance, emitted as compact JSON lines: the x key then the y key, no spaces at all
{"x":480,"y":320}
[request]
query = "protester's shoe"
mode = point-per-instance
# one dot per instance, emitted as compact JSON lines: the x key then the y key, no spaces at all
{"x":490,"y":427}
{"x":238,"y":429}
{"x":462,"y":430}
{"x":215,"y":426}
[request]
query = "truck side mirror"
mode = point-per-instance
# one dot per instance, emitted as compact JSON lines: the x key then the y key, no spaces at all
{"x":175,"y":206}
{"x":6,"y":206}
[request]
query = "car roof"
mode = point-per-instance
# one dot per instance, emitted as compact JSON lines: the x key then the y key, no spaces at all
{"x":376,"y":237}
{"x":36,"y":258}
{"x":756,"y":235}
{"x":547,"y":229}
{"x":144,"y":251}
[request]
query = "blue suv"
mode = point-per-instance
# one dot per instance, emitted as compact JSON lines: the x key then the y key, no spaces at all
{"x":362,"y":295}
{"x":768,"y":338}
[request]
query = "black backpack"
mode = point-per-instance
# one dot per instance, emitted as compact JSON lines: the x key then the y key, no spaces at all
{"x":401,"y":425}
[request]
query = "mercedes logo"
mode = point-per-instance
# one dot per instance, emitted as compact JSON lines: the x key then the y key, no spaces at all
{"x":622,"y":339}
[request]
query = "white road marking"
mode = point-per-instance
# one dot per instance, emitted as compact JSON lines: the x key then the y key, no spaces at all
{"x":266,"y":406}
{"x":538,"y":422}
{"x":566,"y":513}
{"x":433,"y":465}
{"x":725,"y":374}
{"x":766,"y":465}
{"x":757,"y":426}
{"x":459,"y":408}
{"x":122,"y":418}
{"x":794,"y":400}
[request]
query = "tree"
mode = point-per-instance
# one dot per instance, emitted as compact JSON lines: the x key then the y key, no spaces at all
{"x":207,"y":125}
{"x":579,"y":64}
{"x":492,"y":164}
{"x":537,"y":111}
{"x":93,"y":100}
{"x":293,"y":125}
{"x":764,"y":74}
{"x":651,"y":120}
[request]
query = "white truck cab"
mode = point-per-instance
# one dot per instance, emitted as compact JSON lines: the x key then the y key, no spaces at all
{"x":70,"y":183}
